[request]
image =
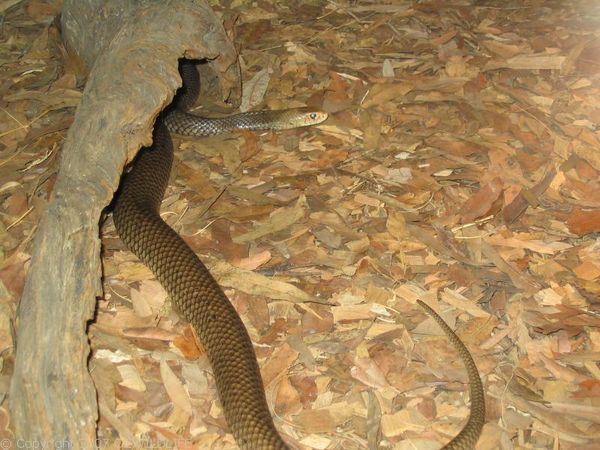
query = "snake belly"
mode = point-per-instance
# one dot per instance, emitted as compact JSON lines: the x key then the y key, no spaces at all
{"x":191,"y":287}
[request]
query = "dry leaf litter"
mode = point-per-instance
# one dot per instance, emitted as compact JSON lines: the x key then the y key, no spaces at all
{"x":459,"y":166}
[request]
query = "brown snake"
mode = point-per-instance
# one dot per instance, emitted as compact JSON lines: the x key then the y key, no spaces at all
{"x":196,"y":294}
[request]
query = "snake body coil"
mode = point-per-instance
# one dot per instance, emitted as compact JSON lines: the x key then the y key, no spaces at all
{"x":193,"y":290}
{"x":196,"y":295}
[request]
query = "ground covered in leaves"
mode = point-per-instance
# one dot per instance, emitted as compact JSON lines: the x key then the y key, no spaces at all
{"x":460,"y":165}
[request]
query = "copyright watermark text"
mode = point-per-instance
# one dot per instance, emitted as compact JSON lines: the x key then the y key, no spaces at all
{"x":60,"y":444}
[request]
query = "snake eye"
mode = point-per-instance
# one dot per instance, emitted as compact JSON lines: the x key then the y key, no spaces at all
{"x":313,"y":116}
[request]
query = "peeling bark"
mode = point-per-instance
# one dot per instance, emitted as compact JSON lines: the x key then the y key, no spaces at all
{"x":131,"y":49}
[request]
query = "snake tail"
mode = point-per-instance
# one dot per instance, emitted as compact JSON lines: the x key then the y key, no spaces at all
{"x":469,"y":435}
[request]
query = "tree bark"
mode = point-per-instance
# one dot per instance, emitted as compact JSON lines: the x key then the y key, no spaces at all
{"x":131,"y":49}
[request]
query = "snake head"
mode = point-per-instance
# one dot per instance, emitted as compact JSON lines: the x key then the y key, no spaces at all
{"x":299,"y":117}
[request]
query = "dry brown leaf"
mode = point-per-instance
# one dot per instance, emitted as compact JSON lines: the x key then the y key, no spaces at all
{"x":352,"y":312}
{"x":255,"y":261}
{"x":151,"y":333}
{"x":502,"y":49}
{"x":584,"y":222}
{"x":278,"y":364}
{"x":371,"y":123}
{"x":175,"y":388}
{"x":149,"y":298}
{"x":12,"y":273}
{"x":396,"y":225}
{"x":188,"y":345}
{"x":255,"y":89}
{"x":257,"y":284}
{"x":400,"y":422}
{"x":288,"y":399}
{"x":368,"y":372}
{"x":528,"y":62}
{"x":315,"y":421}
{"x":383,"y":93}
{"x":485,"y":202}
{"x":587,"y":271}
{"x":280,"y":219}
{"x":131,"y":378}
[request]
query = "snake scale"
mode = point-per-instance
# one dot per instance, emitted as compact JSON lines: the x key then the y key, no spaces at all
{"x":196,"y":294}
